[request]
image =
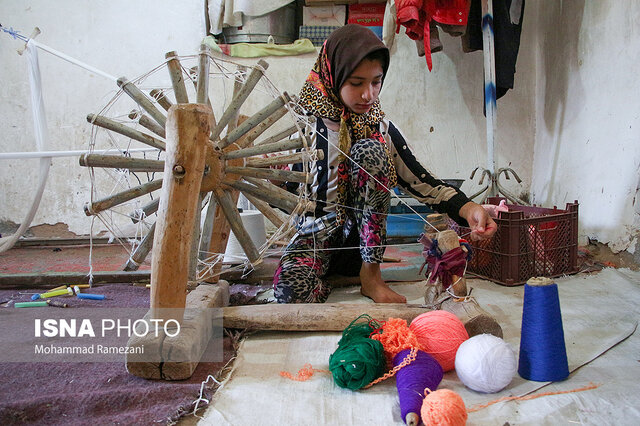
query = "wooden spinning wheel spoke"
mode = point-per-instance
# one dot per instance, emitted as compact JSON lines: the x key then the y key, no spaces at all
{"x":140,"y":253}
{"x":127,"y":131}
{"x":235,"y":221}
{"x":162,"y":100}
{"x":148,"y":123}
{"x":141,"y":99}
{"x":255,"y":76}
{"x":146,"y":210}
{"x":235,"y":161}
{"x":118,"y":162}
{"x":121,"y":197}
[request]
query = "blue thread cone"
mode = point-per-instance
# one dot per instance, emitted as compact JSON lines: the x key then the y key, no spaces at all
{"x":543,"y":354}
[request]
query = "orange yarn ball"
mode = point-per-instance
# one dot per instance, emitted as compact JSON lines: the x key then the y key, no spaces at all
{"x":395,"y":337}
{"x":440,"y":334}
{"x":443,"y":407}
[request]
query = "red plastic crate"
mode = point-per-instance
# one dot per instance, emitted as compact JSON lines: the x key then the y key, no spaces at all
{"x":530,"y":242}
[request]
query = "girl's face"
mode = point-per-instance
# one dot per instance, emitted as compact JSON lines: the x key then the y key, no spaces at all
{"x":362,"y":87}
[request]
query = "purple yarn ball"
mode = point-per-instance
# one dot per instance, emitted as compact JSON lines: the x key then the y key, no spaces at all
{"x":411,"y":380}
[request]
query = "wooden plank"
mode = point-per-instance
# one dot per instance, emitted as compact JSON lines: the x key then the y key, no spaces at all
{"x":176,"y":357}
{"x":54,"y":279}
{"x":188,"y":128}
{"x":313,"y":316}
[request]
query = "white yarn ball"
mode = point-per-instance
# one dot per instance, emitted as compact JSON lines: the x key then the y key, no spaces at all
{"x":486,"y":363}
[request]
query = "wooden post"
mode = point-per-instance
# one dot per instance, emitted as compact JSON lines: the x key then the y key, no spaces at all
{"x":188,"y":128}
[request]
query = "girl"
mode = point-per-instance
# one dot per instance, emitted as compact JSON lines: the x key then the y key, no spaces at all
{"x":365,"y":157}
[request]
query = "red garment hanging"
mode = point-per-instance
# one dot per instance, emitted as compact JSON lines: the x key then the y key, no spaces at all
{"x":416,"y":15}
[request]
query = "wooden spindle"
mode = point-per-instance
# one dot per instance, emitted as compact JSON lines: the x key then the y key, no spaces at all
{"x":271,"y":174}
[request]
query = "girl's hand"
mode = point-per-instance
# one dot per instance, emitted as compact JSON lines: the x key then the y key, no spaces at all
{"x":481,"y":224}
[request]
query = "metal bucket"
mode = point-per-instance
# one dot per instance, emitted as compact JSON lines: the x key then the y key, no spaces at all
{"x":279,"y":24}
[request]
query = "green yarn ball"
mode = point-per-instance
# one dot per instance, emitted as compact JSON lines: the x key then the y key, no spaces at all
{"x":357,"y":362}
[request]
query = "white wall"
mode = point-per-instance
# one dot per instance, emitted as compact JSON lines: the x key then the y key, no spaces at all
{"x":119,"y":37}
{"x":588,"y":115}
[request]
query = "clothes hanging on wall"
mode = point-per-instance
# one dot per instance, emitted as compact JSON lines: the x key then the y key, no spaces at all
{"x":223,"y":13}
{"x":507,"y":26}
{"x":421,"y":19}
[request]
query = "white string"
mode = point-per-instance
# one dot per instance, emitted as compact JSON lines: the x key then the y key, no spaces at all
{"x":41,"y":137}
{"x":378,"y":182}
{"x":71,"y":60}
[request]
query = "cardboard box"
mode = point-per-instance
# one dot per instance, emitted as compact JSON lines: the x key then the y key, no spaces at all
{"x":329,"y":16}
{"x":370,"y":15}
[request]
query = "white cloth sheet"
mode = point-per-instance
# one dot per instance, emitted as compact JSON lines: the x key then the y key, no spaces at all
{"x":229,"y":13}
{"x":600,"y":314}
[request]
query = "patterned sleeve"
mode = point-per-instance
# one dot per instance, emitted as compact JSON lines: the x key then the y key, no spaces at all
{"x":418,"y":182}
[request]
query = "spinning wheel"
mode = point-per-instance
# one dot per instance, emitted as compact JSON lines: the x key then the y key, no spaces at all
{"x":242,"y":155}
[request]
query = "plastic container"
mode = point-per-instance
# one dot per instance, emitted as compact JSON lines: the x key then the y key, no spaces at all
{"x":406,"y":223}
{"x":530,"y":242}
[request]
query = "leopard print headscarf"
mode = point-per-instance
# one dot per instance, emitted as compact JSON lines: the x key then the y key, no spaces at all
{"x":341,"y":53}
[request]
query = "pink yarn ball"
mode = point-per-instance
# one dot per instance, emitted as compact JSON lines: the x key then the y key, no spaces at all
{"x":440,"y":334}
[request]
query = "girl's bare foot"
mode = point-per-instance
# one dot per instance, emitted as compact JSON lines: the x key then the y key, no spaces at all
{"x":375,"y":288}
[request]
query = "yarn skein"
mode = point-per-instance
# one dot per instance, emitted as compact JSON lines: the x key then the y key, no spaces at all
{"x":439,"y":334}
{"x":358,"y":360}
{"x":443,"y":407}
{"x":543,"y":355}
{"x":485,"y":363}
{"x":411,"y":380}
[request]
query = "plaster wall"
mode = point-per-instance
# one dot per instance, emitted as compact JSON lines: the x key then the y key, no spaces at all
{"x":440,"y":112}
{"x":587,"y":116}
